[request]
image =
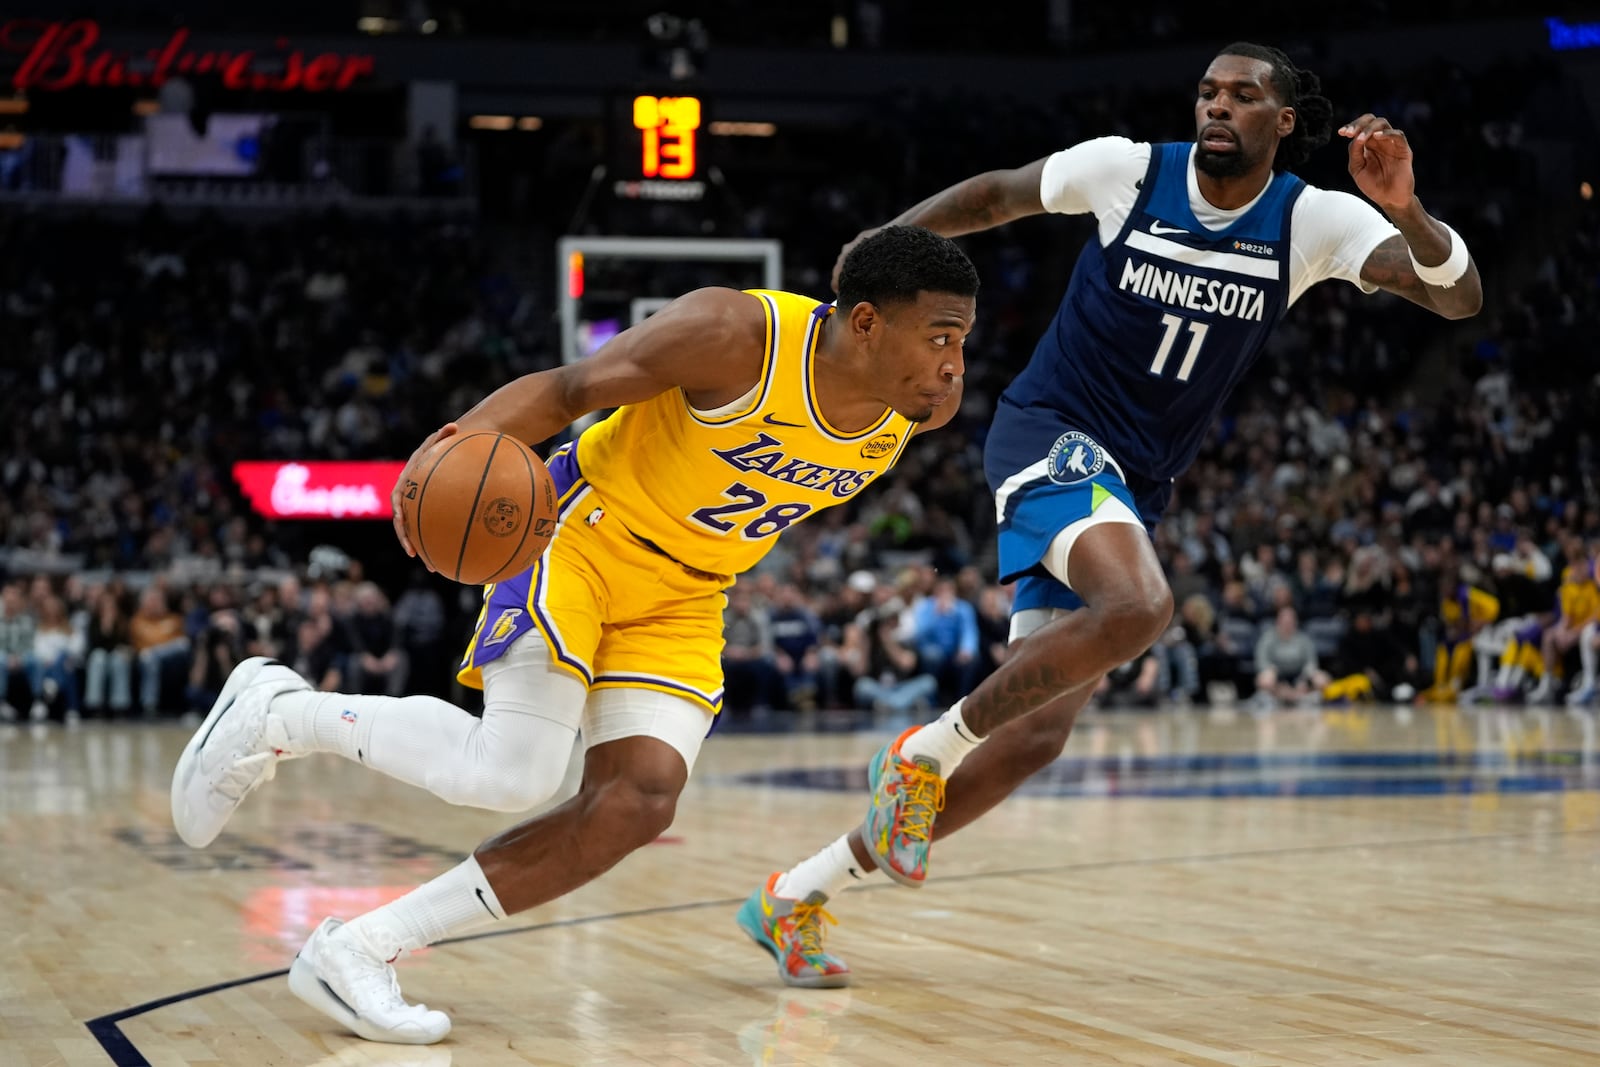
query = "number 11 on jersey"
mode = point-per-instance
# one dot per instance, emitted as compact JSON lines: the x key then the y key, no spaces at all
{"x":1173,"y":325}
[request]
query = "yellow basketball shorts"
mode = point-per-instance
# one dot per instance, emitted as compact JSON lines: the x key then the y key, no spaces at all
{"x":614,"y":612}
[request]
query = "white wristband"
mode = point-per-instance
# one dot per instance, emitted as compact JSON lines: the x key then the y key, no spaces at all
{"x":1449,"y":272}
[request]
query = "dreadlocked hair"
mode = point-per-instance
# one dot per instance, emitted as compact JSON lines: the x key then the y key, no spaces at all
{"x":1299,"y":89}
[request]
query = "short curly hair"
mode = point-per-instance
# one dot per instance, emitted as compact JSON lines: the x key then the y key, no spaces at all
{"x":898,"y":262}
{"x":1299,"y":89}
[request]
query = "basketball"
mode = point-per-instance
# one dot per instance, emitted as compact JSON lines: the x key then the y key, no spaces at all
{"x":479,"y":507}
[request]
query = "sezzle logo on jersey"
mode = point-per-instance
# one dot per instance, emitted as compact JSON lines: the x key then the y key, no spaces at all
{"x":1194,"y":292}
{"x":1252,"y":247}
{"x":765,"y":454}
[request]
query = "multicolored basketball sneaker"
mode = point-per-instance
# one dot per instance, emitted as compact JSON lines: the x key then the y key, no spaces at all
{"x":792,"y":930}
{"x":906,"y":797}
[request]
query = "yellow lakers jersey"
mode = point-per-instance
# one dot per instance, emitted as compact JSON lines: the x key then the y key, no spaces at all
{"x":1579,"y":597}
{"x":1469,"y":604}
{"x":714,"y":489}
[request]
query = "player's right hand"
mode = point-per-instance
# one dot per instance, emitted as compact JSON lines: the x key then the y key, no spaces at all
{"x":838,"y":264}
{"x":405,"y":481}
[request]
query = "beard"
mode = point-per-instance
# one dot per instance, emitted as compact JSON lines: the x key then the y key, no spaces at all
{"x":1220,"y":164}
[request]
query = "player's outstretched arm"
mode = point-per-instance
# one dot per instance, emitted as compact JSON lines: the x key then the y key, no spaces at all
{"x":982,"y":202}
{"x":709,"y":342}
{"x":1428,"y":263}
{"x":705,"y":342}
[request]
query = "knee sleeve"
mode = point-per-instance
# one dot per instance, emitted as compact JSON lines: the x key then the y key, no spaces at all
{"x":515,"y":757}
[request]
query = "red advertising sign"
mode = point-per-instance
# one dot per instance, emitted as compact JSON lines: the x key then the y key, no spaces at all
{"x":66,"y":55}
{"x":319,"y":490}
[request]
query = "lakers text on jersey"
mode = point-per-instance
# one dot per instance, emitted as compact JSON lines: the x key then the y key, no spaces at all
{"x":661,"y":505}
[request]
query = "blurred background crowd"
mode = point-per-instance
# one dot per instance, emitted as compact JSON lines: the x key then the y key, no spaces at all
{"x":1382,"y":494}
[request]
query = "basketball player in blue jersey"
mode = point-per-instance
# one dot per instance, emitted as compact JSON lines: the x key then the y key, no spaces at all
{"x":737,"y":415}
{"x":1201,"y":249}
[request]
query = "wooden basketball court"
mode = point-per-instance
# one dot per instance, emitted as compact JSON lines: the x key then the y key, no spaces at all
{"x":1375,"y":887}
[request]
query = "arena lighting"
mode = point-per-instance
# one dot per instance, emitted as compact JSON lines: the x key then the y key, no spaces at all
{"x":1567,"y":37}
{"x":12,"y":139}
{"x":575,"y":275}
{"x":530,"y":122}
{"x":743,"y":129}
{"x":314,"y":489}
{"x":491,"y":122}
{"x":147,"y":107}
{"x":13,"y":106}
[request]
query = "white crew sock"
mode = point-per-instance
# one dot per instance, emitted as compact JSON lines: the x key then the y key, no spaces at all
{"x":830,"y":872}
{"x":1485,"y":669}
{"x":1588,"y":654}
{"x":944,"y":742}
{"x":457,"y":902}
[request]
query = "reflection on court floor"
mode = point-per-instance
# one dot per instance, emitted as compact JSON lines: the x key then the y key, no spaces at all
{"x":1370,"y":885}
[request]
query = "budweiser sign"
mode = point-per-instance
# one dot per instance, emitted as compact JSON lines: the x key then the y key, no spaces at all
{"x":317,"y":490}
{"x":67,"y":55}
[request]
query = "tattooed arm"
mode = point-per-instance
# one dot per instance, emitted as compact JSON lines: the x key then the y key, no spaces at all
{"x":990,"y":199}
{"x":1390,"y":268}
{"x":1380,"y":163}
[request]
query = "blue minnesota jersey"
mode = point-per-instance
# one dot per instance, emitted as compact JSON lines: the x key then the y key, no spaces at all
{"x":1157,"y":326}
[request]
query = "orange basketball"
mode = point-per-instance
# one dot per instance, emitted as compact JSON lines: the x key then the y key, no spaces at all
{"x":479,"y":507}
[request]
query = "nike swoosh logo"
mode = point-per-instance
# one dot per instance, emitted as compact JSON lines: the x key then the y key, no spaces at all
{"x":328,"y":989}
{"x":1158,"y":229}
{"x":766,"y":906}
{"x":485,"y":903}
{"x":770,"y":421}
{"x":200,"y":749}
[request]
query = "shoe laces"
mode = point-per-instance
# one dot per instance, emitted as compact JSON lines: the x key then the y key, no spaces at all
{"x":369,"y":974}
{"x":247,"y":773}
{"x":923,"y":793}
{"x":809,"y":931}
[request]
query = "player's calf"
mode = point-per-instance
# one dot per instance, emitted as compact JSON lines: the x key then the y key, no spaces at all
{"x":630,"y":813}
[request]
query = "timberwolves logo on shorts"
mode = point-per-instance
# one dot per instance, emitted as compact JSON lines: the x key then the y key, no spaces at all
{"x":1075,"y":457}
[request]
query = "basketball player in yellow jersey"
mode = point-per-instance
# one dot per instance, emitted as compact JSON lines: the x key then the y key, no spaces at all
{"x":738,"y":415}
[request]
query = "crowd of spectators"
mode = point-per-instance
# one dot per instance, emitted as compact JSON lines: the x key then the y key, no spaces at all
{"x":1331,"y":513}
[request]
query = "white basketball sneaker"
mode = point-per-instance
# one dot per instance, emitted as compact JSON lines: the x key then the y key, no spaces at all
{"x":236,"y":749}
{"x":350,"y":980}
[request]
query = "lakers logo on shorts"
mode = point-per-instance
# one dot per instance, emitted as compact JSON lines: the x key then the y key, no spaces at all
{"x":1075,"y":457}
{"x":504,"y":628}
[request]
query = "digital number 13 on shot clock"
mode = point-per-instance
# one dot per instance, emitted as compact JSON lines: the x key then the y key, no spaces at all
{"x":669,"y":125}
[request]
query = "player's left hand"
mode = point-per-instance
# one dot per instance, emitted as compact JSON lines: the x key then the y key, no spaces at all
{"x":401,"y":484}
{"x":1380,"y":161}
